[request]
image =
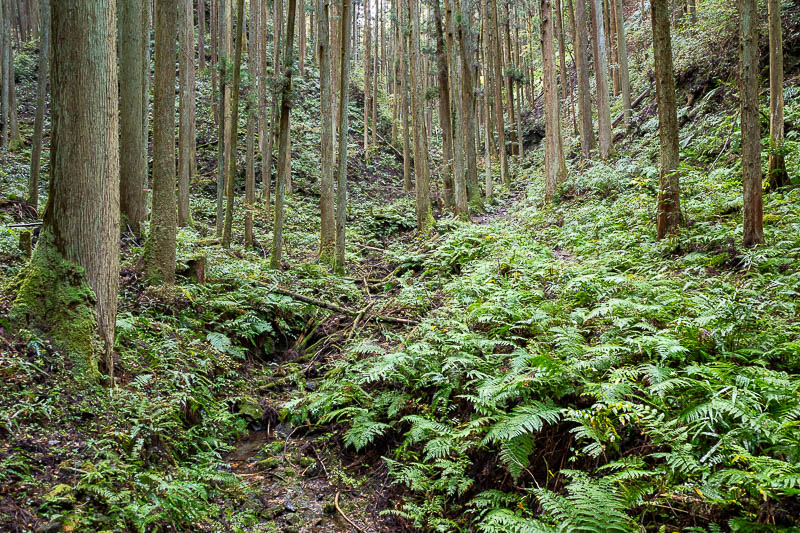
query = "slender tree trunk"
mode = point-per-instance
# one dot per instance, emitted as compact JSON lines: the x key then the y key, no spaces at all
{"x":375,"y":82}
{"x":459,"y":181}
{"x":277,"y":31}
{"x":161,"y":243}
{"x":328,"y":221}
{"x":517,"y":68}
{"x":601,"y":76}
{"x":283,"y":146}
{"x":147,"y":34}
{"x":14,"y":138}
{"x":252,"y":109}
{"x":610,"y":24}
{"x":669,"y":201}
{"x":41,"y":102}
{"x":421,"y":172}
{"x":489,"y":184}
{"x":497,"y":67}
{"x":367,"y":76}
{"x":214,"y":25}
{"x":464,"y":34}
{"x":555,"y":167}
{"x":562,"y":55}
{"x":222,"y":115}
{"x":233,"y":132}
{"x":508,"y":68}
{"x":751,"y":123}
{"x":201,"y":35}
{"x":186,"y":83}
{"x":264,"y":130}
{"x":445,"y":119}
{"x":580,"y":40}
{"x":301,"y":37}
{"x":408,"y":184}
{"x":622,"y":52}
{"x":5,"y":44}
{"x":69,"y":288}
{"x":133,"y":137}
{"x":778,"y":177}
{"x":341,"y":177}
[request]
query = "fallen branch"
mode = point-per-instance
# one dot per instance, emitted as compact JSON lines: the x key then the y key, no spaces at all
{"x":30,"y":225}
{"x":390,"y":145}
{"x":633,"y":104}
{"x":336,"y":504}
{"x":339,"y":309}
{"x":314,"y":301}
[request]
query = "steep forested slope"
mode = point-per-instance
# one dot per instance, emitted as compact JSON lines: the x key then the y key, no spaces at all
{"x":527,"y":366}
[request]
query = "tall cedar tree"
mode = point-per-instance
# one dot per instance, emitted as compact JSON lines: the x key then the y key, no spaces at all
{"x":233,"y":131}
{"x":186,"y":109}
{"x":422,"y":175}
{"x":41,"y":95}
{"x":751,"y":123}
{"x":161,"y":243}
{"x":778,"y":177}
{"x":328,"y":222}
{"x":669,"y":199}
{"x":601,"y":77}
{"x":555,"y":167}
{"x":133,"y":112}
{"x":341,"y":172}
{"x":582,"y":68}
{"x":69,"y":288}
{"x":283,"y":142}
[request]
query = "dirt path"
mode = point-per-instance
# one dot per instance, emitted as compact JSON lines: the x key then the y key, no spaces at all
{"x":291,"y":485}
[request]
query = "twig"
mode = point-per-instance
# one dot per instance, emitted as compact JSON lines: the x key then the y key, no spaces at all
{"x":336,"y":504}
{"x":339,"y":309}
{"x":30,"y":225}
{"x":320,"y":461}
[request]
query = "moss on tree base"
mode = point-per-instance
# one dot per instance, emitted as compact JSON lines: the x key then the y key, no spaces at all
{"x":53,"y":298}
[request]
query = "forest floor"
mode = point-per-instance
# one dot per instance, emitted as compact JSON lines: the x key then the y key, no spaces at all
{"x":556,"y":364}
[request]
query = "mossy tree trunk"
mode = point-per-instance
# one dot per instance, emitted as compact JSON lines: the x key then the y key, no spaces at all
{"x":69,"y":288}
{"x":778,"y":177}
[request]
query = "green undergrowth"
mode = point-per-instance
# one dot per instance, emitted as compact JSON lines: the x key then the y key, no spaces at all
{"x":579,"y":375}
{"x":198,"y":366}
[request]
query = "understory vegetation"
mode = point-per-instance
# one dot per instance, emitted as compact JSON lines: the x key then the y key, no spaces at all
{"x":532,"y":368}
